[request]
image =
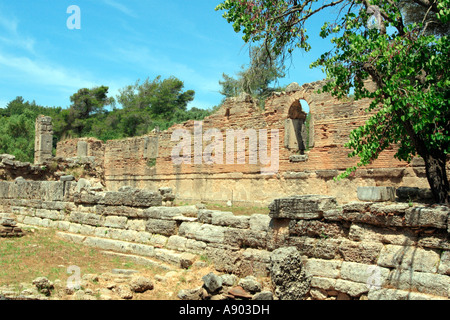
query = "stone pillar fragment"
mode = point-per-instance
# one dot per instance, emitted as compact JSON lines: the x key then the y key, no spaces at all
{"x":43,"y":143}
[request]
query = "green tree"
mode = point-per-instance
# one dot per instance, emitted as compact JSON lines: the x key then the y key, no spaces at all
{"x":371,"y":39}
{"x":17,"y":135}
{"x":256,"y":79}
{"x":87,"y":104}
{"x":161,"y":98}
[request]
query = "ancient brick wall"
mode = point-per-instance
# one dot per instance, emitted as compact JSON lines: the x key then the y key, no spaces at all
{"x":147,"y":161}
{"x":83,"y":147}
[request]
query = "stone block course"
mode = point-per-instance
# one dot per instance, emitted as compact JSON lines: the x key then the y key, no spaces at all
{"x":357,"y":250}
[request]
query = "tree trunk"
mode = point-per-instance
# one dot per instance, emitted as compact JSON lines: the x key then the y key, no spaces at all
{"x":437,"y":176}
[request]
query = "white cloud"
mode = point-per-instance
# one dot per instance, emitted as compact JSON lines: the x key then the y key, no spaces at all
{"x":122,"y":8}
{"x":9,"y":24}
{"x":36,"y":72}
{"x":157,"y":64}
{"x":12,"y":38}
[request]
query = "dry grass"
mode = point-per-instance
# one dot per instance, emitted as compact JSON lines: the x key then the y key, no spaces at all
{"x":40,"y":253}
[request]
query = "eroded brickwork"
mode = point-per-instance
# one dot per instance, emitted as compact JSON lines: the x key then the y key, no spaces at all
{"x":147,"y":161}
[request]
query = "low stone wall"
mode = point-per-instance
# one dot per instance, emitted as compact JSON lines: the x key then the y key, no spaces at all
{"x":371,"y":250}
{"x":358,"y":250}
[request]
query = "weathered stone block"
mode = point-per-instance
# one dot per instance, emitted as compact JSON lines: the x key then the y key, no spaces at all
{"x":52,"y":191}
{"x":289,"y":277}
{"x":82,"y":148}
{"x":356,"y":206}
{"x":298,"y":158}
{"x":389,"y":209}
{"x":135,"y":224}
{"x":362,"y":252}
{"x":428,"y":283}
{"x":444,"y":265}
{"x":408,"y":257}
{"x":368,"y":233}
{"x":205,"y":215}
{"x":4,"y":190}
{"x":48,"y":214}
{"x":202,"y":232}
{"x":85,"y":218}
{"x":259,"y":222}
{"x":317,"y":229}
{"x":177,"y":243}
{"x":163,"y":227}
{"x":333,"y":214}
{"x":376,"y":193}
{"x":374,"y":219}
{"x":130,"y":198}
{"x":228,"y":219}
{"x":427,"y":217}
{"x":316,"y":248}
{"x":164,"y":213}
{"x":364,"y":273}
{"x":323,"y":283}
{"x":323,"y":268}
{"x":245,"y":238}
{"x":116,"y":222}
{"x":301,"y":207}
{"x":224,"y":260}
{"x":195,"y":246}
{"x":120,"y":211}
{"x":353,"y":289}
{"x":434,"y":241}
{"x":395,"y":294}
{"x":414,"y":193}
{"x":188,"y":211}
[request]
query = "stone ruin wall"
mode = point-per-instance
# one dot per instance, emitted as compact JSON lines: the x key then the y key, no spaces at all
{"x":349,"y":249}
{"x":359,"y":250}
{"x":145,"y":162}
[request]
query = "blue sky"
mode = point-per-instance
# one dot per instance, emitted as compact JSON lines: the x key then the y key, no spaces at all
{"x":120,"y":42}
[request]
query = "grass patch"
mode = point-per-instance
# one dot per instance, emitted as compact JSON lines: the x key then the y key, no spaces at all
{"x":40,"y":253}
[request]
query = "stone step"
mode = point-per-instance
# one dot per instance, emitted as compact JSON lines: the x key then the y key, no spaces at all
{"x":141,"y":260}
{"x":147,"y":254}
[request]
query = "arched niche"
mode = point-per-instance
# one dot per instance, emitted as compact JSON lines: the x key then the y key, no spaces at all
{"x":295,"y":131}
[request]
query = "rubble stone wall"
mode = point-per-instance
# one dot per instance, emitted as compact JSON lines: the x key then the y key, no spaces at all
{"x":358,"y":250}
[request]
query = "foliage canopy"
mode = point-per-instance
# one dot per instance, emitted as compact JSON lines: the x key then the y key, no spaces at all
{"x":406,"y":55}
